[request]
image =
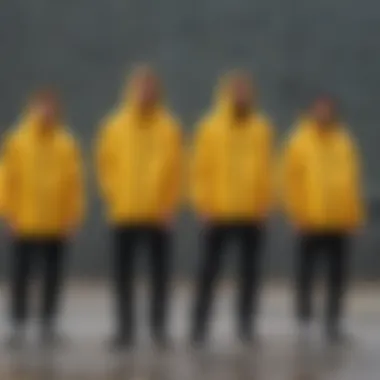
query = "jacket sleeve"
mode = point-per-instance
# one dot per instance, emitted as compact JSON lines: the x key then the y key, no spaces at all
{"x":201,"y":170}
{"x":267,"y":171}
{"x":358,"y":209}
{"x":290,"y":181}
{"x":104,"y":160}
{"x":1,"y":190}
{"x":9,"y":180}
{"x":76,"y":188}
{"x":174,"y":180}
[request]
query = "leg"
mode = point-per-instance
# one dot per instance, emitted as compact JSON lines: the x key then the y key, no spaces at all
{"x":336,"y":257}
{"x":22,"y":257}
{"x":52,"y":254}
{"x":159,"y":242}
{"x":305,"y":275}
{"x":249,"y":273}
{"x":210,"y":267}
{"x":124,"y":270}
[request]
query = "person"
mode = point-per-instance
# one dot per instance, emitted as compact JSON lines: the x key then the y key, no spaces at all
{"x":1,"y":189}
{"x":323,"y":201}
{"x":43,"y":206}
{"x":231,"y":193}
{"x":138,"y":158}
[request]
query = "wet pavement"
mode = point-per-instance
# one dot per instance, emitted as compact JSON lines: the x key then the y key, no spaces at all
{"x":278,"y":354}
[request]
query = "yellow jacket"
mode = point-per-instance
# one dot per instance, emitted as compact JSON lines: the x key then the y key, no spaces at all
{"x":231,"y":168}
{"x":1,"y":190}
{"x":138,"y":161}
{"x":321,"y":179}
{"x":42,"y":180}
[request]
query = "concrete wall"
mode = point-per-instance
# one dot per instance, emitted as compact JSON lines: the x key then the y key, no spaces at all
{"x":295,"y":48}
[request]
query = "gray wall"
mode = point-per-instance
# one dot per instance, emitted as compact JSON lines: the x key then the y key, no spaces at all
{"x":294,"y":47}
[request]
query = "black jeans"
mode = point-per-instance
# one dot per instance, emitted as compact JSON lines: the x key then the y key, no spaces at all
{"x":126,"y":240}
{"x":333,"y":250}
{"x":216,"y":236}
{"x":26,"y":254}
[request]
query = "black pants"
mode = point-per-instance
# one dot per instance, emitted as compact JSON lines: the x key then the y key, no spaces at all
{"x":26,"y":254}
{"x":126,"y":240}
{"x":333,"y":250}
{"x":249,"y":237}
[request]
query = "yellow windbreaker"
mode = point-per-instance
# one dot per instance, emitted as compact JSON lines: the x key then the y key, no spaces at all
{"x":1,"y":190}
{"x":231,"y":166}
{"x":138,"y":161}
{"x":42,"y":185}
{"x":321,"y":179}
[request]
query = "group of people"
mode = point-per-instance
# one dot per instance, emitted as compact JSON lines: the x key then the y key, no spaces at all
{"x":234,"y":183}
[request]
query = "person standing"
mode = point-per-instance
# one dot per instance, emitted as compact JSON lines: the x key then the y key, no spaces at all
{"x":1,"y":190}
{"x":323,"y":201}
{"x":138,"y":158}
{"x":231,"y":194}
{"x":43,"y":205}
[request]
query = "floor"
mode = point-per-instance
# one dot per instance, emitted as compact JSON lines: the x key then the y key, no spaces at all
{"x":87,"y":324}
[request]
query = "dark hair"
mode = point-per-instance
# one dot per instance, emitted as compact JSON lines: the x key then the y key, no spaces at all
{"x":46,"y":92}
{"x":327,"y":99}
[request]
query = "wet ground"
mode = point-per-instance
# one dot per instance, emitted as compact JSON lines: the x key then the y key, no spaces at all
{"x":87,"y":325}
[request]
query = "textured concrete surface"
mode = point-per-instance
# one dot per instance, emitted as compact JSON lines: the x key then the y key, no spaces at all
{"x":295,"y":48}
{"x":278,"y":356}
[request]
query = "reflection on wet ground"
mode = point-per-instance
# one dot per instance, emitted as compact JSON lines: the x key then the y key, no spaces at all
{"x":278,"y":355}
{"x":275,"y":360}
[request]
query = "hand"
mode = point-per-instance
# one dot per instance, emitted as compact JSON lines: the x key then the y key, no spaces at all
{"x":357,"y":232}
{"x":300,"y":227}
{"x":70,"y":230}
{"x":70,"y":233}
{"x":204,"y":218}
{"x":10,"y":229}
{"x":168,"y":220}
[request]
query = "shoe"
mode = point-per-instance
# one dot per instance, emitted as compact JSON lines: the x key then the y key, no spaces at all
{"x":16,"y":340}
{"x":197,"y":340}
{"x":335,"y":335}
{"x":246,"y":337}
{"x":304,"y":332}
{"x":161,"y":341}
{"x":121,"y":343}
{"x":50,"y":338}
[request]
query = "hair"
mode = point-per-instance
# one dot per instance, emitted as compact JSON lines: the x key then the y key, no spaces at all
{"x":45,"y":92}
{"x":327,"y":99}
{"x":238,"y":74}
{"x":142,"y":71}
